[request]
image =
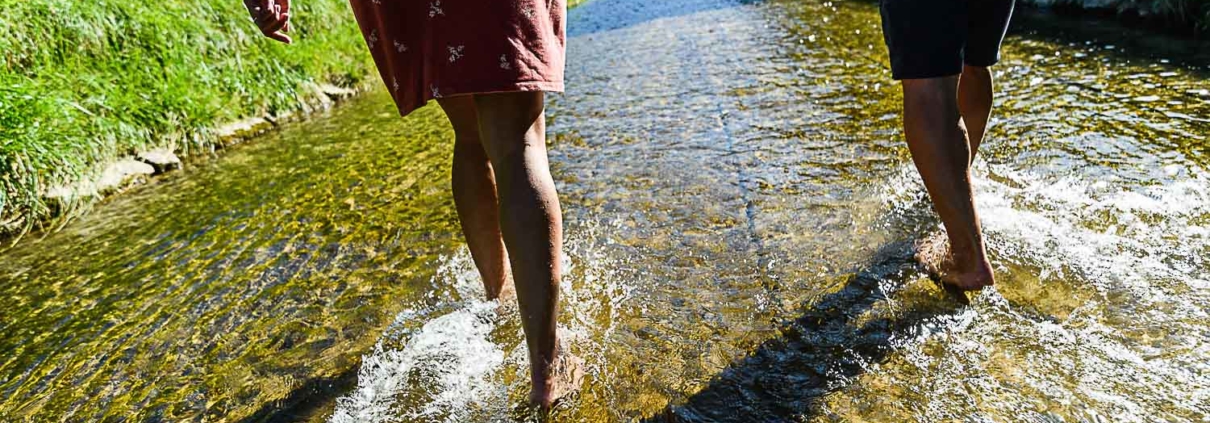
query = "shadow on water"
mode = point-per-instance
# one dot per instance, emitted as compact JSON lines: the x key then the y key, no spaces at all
{"x":307,"y":401}
{"x":249,"y":290}
{"x":819,"y":352}
{"x":609,"y":15}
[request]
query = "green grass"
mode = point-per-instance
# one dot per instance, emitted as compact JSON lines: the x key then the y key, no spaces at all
{"x":83,"y":82}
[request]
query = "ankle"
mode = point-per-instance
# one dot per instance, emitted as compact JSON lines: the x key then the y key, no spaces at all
{"x":968,"y":256}
{"x":542,"y":367}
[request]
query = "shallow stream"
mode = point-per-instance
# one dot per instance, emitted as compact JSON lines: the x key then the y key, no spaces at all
{"x":740,"y":210}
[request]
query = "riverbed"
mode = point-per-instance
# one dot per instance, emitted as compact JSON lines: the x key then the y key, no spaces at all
{"x":740,"y":213}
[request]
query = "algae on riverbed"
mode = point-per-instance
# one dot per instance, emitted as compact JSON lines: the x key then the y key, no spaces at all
{"x":235,"y":281}
{"x":739,"y":207}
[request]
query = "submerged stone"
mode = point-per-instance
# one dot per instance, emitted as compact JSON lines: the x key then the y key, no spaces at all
{"x":162,"y":160}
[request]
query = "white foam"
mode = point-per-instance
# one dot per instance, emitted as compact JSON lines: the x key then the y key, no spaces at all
{"x":1112,"y":236}
{"x":451,"y":356}
{"x":455,"y":367}
{"x":1155,"y":232}
{"x":1116,"y":234}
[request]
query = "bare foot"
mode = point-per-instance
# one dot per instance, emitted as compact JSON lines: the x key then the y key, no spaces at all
{"x":508,"y":292}
{"x":506,"y":300}
{"x":566,"y":375}
{"x":955,"y":274}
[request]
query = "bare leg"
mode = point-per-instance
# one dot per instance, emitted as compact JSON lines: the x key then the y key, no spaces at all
{"x":513,"y":128}
{"x":942,"y":154}
{"x":975,"y":103}
{"x":475,"y":197}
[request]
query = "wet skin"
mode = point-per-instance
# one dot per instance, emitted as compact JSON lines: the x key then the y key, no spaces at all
{"x":944,"y":121}
{"x":726,"y":190}
{"x":511,"y":218}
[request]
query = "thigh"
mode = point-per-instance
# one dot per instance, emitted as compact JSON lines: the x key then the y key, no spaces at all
{"x":511,"y":122}
{"x":987,"y":24}
{"x":925,"y":37}
{"x":460,"y":110}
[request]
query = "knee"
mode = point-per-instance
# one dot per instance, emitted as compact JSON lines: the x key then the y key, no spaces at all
{"x":468,"y":149}
{"x":934,"y":96}
{"x":511,"y":106}
{"x":467,"y":139}
{"x":511,"y":123}
{"x":932,"y":91}
{"x":980,"y":72}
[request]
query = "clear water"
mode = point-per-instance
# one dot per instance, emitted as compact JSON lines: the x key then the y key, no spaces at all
{"x":740,"y":209}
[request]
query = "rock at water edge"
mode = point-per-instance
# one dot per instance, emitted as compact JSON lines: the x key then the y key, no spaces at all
{"x":162,"y":160}
{"x":122,"y":173}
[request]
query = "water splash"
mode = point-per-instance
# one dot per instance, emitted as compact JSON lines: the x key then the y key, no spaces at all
{"x":466,"y":360}
{"x":1109,"y":342}
{"x":451,"y":355}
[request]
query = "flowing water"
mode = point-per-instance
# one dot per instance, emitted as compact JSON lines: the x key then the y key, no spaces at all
{"x":740,"y":212}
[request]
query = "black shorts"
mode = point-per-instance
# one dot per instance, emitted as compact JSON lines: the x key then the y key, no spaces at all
{"x":933,"y":38}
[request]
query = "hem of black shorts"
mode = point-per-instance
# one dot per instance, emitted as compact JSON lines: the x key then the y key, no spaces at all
{"x":940,"y":74}
{"x":925,"y":75}
{"x":982,"y":64}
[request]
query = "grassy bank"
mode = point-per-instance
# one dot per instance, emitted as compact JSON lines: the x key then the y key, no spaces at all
{"x":1183,"y":15}
{"x":84,"y":82}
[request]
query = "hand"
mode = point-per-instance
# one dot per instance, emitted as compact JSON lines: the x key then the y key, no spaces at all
{"x":272,"y":17}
